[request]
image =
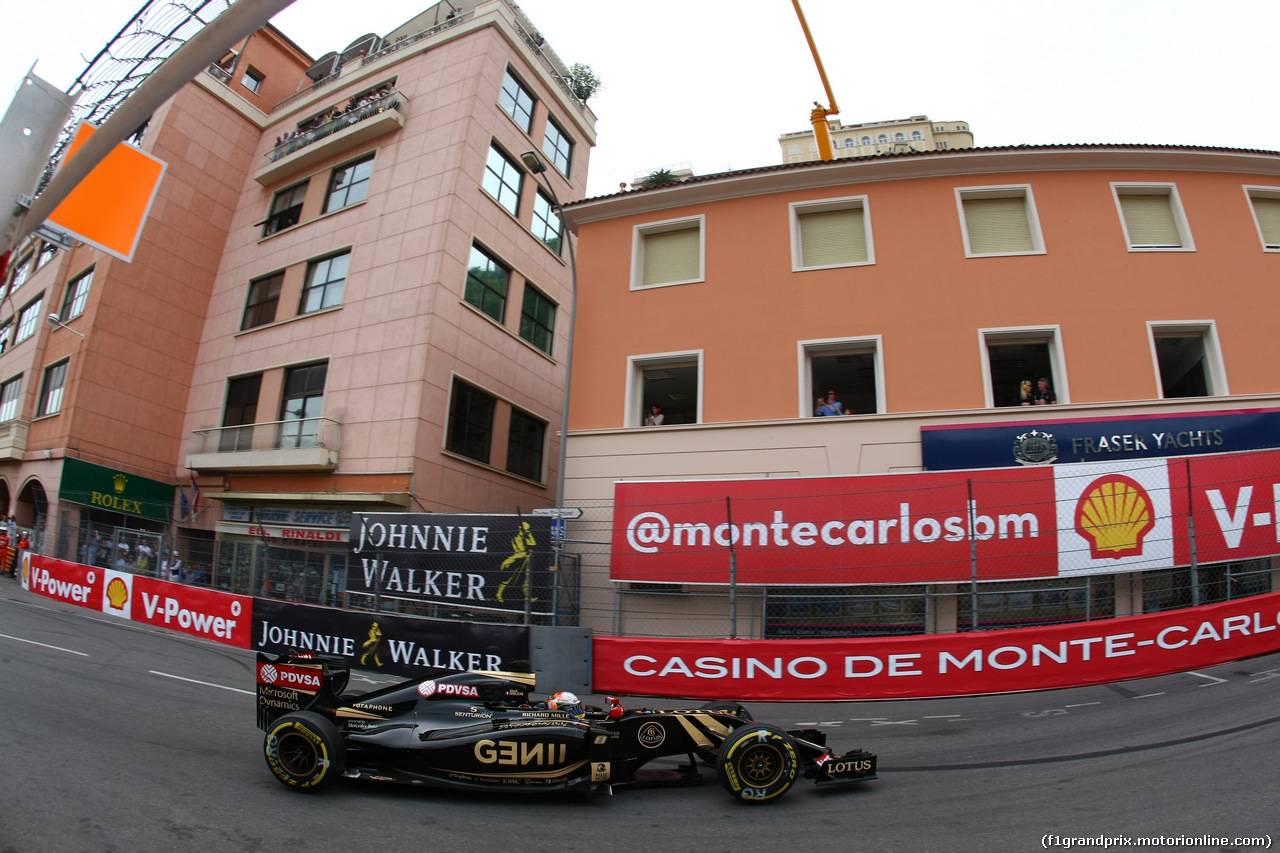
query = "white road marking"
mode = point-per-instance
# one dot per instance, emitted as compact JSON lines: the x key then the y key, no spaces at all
{"x":45,"y":645}
{"x":893,"y":722}
{"x":203,"y":683}
{"x":1213,"y":679}
{"x":1148,"y":695}
{"x":1083,"y":704}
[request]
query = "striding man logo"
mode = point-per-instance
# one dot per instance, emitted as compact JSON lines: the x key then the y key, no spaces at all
{"x":1114,"y":514}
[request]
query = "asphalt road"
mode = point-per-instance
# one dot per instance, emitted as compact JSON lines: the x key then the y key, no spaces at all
{"x":120,"y":737}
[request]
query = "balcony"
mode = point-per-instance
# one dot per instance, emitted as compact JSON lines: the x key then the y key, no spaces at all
{"x":13,"y":439}
{"x":339,"y":132}
{"x":309,"y":444}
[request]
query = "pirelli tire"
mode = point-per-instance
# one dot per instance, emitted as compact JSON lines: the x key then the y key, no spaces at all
{"x":305,"y":751}
{"x":757,"y":763}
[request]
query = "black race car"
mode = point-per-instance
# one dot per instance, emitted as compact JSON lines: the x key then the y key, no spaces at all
{"x":481,"y":731}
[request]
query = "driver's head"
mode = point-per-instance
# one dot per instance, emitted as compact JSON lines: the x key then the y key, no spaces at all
{"x":566,"y":701}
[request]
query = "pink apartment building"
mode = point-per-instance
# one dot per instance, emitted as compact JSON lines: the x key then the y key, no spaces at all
{"x":347,"y":298}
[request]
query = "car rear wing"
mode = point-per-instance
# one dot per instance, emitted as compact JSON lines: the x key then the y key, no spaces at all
{"x":289,"y":683}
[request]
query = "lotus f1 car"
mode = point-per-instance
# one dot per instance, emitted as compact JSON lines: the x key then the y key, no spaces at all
{"x":481,"y":731}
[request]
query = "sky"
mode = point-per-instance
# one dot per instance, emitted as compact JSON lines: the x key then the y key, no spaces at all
{"x":712,"y":83}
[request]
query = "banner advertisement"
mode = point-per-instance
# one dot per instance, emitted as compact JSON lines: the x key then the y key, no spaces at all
{"x":949,"y":527}
{"x":938,"y":665}
{"x":495,"y":562}
{"x":198,"y":611}
{"x":385,"y":642}
{"x":1030,"y":441}
{"x":67,"y":582}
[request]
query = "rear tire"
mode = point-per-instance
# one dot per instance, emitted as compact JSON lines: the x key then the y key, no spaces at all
{"x":757,"y":763}
{"x":305,"y":751}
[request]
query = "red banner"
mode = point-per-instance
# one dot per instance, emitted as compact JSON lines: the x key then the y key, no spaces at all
{"x":952,"y":526}
{"x":939,"y":664}
{"x":200,"y":612}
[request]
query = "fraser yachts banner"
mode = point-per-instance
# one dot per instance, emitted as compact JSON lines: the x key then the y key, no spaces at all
{"x":951,"y":526}
{"x":399,"y":645}
{"x":938,"y":665}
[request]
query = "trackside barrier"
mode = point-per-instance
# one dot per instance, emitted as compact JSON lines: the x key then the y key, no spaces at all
{"x":825,"y":669}
{"x":937,"y":665}
{"x":382,"y":642}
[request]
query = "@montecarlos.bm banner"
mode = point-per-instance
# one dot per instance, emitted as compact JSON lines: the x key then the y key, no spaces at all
{"x":495,"y":562}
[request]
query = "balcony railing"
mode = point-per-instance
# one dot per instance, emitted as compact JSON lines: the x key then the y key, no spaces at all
{"x":337,"y":120}
{"x":221,"y":74}
{"x":308,"y":444}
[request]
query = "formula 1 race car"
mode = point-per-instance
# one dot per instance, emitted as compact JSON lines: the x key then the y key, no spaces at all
{"x":481,"y":731}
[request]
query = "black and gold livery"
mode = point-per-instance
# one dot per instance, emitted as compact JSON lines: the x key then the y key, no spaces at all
{"x":482,"y":731}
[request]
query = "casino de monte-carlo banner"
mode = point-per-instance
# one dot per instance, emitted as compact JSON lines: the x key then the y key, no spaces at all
{"x":477,"y":561}
{"x":950,"y":526}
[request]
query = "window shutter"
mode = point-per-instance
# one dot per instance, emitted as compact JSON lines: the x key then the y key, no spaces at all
{"x":831,"y":237}
{"x":998,"y":225}
{"x":1268,"y":212}
{"x":672,"y":256}
{"x":1149,"y":219}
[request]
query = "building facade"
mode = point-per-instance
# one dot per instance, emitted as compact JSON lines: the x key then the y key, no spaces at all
{"x":917,"y":133}
{"x":928,"y":294}
{"x":349,"y":298}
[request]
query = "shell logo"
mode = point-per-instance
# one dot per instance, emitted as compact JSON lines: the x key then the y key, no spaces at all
{"x":117,"y":593}
{"x":1115,"y":513}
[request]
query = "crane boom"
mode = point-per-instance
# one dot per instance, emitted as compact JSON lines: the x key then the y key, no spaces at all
{"x":819,"y":114}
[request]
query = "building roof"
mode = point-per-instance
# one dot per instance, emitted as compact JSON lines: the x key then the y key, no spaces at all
{"x":922,"y":164}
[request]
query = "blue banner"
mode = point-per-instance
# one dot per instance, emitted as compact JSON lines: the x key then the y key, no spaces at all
{"x":1045,"y":442}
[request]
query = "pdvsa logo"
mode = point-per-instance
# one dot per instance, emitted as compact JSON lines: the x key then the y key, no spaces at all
{"x":286,"y":676}
{"x":1114,"y":514}
{"x":427,"y":689}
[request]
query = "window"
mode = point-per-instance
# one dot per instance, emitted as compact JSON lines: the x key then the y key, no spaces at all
{"x":524,"y":445}
{"x":557,"y":147}
{"x":899,"y":137}
{"x":252,"y":80}
{"x":264,"y":296}
{"x":241,"y":411}
{"x":349,"y":184}
{"x":29,"y":319}
{"x":830,"y":234}
{"x":21,"y":270}
{"x":470,"y":422}
{"x":487,"y":282}
{"x":851,"y":367}
{"x":303,"y":403}
{"x":883,"y":139}
{"x":55,"y":376}
{"x":1188,"y":360}
{"x":1015,"y":360}
{"x":537,"y":319}
{"x":325,"y":282}
{"x":73,"y":301}
{"x":1152,"y":218}
{"x":503,"y":179}
{"x":286,"y":209}
{"x":547,"y":225}
{"x":999,"y":221}
{"x":916,"y":136}
{"x":670,"y":381}
{"x":668,"y":252}
{"x":6,"y":334}
{"x":849,"y":142}
{"x":866,"y":140}
{"x":516,"y":101}
{"x":1265,"y":203}
{"x":47,"y":251}
{"x":9,"y":392}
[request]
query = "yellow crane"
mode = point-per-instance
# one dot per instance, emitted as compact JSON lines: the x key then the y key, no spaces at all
{"x":819,"y":115}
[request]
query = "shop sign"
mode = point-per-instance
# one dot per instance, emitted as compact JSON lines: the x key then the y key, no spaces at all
{"x":288,"y":516}
{"x":286,"y":534}
{"x":118,"y":491}
{"x":1043,"y":442}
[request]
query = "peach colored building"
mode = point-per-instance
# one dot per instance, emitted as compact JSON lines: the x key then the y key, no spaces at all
{"x":923,"y":289}
{"x":348,"y":298}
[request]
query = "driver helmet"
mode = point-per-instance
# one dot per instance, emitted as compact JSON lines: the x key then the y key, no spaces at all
{"x":566,"y":701}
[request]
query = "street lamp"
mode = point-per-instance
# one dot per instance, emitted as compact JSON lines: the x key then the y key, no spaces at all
{"x":536,"y":167}
{"x":534,"y":164}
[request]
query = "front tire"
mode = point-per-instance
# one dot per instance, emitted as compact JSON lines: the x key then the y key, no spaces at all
{"x":757,"y":763}
{"x":305,"y":751}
